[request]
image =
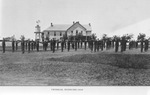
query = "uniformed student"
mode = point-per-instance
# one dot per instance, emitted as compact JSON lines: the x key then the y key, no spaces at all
{"x":146,"y":45}
{"x":85,"y":42}
{"x":65,"y":44}
{"x":68,"y":44}
{"x":43,"y":45}
{"x":95,"y":45}
{"x":16,"y":45}
{"x":98,"y":45}
{"x":51,"y":44}
{"x":32,"y":44}
{"x":22,"y":46}
{"x":81,"y":43}
{"x":54,"y":44}
{"x":91,"y":45}
{"x":75,"y":45}
{"x":142,"y":45}
{"x":57,"y":45}
{"x":13,"y":45}
{"x":3,"y":45}
{"x":37,"y":46}
{"x":116,"y":45}
{"x":62,"y":46}
{"x":136,"y":44}
{"x":78,"y":44}
{"x":28,"y":46}
{"x":101,"y":45}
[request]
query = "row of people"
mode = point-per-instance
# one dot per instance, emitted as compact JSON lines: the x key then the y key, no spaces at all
{"x":93,"y":45}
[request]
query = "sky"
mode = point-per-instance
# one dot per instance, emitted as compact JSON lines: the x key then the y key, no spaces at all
{"x":18,"y":17}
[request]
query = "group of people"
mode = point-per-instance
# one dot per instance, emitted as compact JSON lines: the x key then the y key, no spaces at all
{"x":93,"y":45}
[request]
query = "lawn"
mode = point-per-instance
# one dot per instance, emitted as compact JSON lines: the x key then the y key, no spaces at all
{"x":81,"y":68}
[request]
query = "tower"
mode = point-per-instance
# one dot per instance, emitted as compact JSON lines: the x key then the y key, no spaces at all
{"x":38,"y":31}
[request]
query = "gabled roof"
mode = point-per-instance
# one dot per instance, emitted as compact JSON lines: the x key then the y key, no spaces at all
{"x":88,"y":28}
{"x":65,"y":27}
{"x":58,"y":27}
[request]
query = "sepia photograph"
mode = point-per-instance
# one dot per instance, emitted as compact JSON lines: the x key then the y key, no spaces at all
{"x":75,"y":43}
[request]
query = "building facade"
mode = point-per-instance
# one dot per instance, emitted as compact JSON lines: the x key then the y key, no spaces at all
{"x":57,"y":31}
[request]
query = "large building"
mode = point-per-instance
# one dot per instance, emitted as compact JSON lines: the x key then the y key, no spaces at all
{"x":58,"y":30}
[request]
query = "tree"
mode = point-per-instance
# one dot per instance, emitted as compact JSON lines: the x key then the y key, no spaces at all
{"x":93,"y":36}
{"x":13,"y":38}
{"x":22,"y":37}
{"x":127,"y":37}
{"x":104,"y":37}
{"x":141,"y":36}
{"x":115,"y":37}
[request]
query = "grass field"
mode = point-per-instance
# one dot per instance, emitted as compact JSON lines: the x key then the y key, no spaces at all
{"x":81,"y":68}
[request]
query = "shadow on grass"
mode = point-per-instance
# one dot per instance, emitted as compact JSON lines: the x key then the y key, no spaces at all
{"x":134,"y":61}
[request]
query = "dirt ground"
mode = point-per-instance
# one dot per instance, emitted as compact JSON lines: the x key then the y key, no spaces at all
{"x":80,"y":68}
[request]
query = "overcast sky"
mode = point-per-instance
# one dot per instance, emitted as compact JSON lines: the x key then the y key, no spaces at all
{"x":105,"y":16}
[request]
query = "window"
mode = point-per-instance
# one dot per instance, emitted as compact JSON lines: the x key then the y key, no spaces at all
{"x":60,"y":33}
{"x":54,"y":33}
{"x":71,"y":32}
{"x":81,"y":32}
{"x":76,"y":31}
{"x":48,"y":34}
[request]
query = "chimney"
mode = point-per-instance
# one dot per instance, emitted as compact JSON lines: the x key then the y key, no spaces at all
{"x":51,"y":24}
{"x":89,"y":24}
{"x":73,"y":22}
{"x":77,"y":21}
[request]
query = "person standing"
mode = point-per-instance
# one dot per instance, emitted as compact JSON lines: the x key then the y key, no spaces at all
{"x":37,"y":45}
{"x":16,"y":45}
{"x":32,"y":43}
{"x":75,"y":45}
{"x":68,"y":44}
{"x":28,"y":46}
{"x":142,"y":45}
{"x":98,"y":44}
{"x":57,"y":45}
{"x":53,"y":43}
{"x":3,"y":45}
{"x":85,"y":42}
{"x":116,"y":45}
{"x":95,"y":45}
{"x":62,"y":46}
{"x":13,"y":45}
{"x":91,"y":45}
{"x":146,"y":45}
{"x":101,"y":45}
{"x":81,"y":43}
{"x":65,"y":43}
{"x":22,"y":46}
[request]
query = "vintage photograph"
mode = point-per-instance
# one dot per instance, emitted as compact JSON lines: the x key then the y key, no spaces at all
{"x":75,"y":43}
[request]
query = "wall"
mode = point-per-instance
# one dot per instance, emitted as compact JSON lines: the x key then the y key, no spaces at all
{"x":51,"y":34}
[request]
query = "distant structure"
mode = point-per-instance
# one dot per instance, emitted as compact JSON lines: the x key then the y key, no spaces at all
{"x":38,"y":32}
{"x":57,"y":31}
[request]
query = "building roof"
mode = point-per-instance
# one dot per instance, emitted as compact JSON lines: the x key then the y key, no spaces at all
{"x":64,"y":27}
